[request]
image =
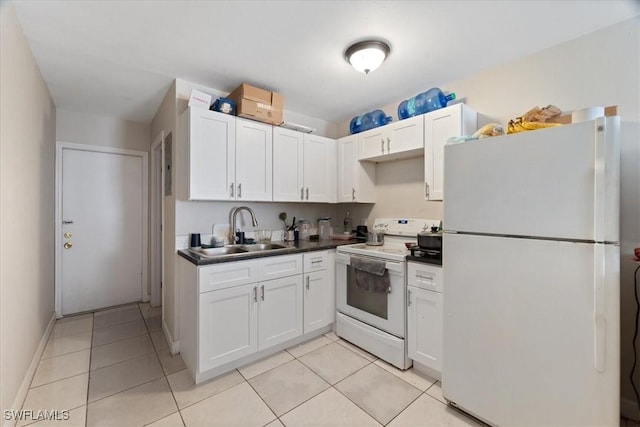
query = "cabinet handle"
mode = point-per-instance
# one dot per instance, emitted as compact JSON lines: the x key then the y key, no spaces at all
{"x":231,"y":189}
{"x":262,"y":292}
{"x":307,"y":193}
{"x":382,"y":145}
{"x":389,"y":290}
{"x":301,"y":193}
{"x":426,"y":190}
{"x":317,"y":261}
{"x":255,"y":294}
{"x":353,"y":194}
{"x":67,"y":222}
{"x":239,"y":191}
{"x":307,"y":282}
{"x":408,"y":297}
{"x":388,"y":145}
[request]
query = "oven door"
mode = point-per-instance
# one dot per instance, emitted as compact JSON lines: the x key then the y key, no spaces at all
{"x":385,"y":311}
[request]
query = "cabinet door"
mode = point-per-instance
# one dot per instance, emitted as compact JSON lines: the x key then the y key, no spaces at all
{"x":254,"y":161}
{"x":424,"y":321}
{"x":287,"y":165}
{"x":319,"y":169}
{"x":372,"y":143}
{"x":347,"y":160}
{"x":316,"y":300}
{"x":356,"y":180}
{"x":279,"y":311}
{"x":227,"y":325}
{"x":439,"y":126}
{"x":211,"y":140}
{"x":406,"y":136}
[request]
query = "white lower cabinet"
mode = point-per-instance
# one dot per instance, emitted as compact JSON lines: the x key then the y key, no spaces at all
{"x":316,"y":300}
{"x":228,"y":325}
{"x":233,"y":310}
{"x":425,"y":317}
{"x":319,"y":290}
{"x":279,"y":311}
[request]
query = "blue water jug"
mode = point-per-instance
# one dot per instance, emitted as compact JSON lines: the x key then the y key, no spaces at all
{"x":431,"y":100}
{"x":371,"y":120}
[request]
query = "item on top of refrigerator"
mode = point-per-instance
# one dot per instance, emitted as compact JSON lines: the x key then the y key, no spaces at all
{"x":536,"y":118}
{"x":486,"y":131}
{"x":431,"y":100}
{"x":370,"y":120}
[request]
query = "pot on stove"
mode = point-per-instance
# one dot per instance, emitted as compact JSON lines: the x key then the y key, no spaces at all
{"x":375,"y":238}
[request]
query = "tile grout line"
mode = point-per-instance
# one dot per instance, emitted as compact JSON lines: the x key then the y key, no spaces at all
{"x":86,"y":412}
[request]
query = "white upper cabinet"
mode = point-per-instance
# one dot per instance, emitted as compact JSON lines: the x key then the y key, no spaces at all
{"x":209,"y":147}
{"x":319,"y":169}
{"x":226,"y":158}
{"x":440,"y":125}
{"x":356,"y":180}
{"x":254,"y":164}
{"x":288,"y":178}
{"x":403,"y":139}
{"x":304,"y":167}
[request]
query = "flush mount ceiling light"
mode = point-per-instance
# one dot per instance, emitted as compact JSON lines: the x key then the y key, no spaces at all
{"x":368,"y":55}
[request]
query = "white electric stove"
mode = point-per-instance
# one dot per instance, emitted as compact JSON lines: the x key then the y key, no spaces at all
{"x":370,"y":319}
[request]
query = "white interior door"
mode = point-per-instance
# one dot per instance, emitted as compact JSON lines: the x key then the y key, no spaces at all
{"x":102,"y":207}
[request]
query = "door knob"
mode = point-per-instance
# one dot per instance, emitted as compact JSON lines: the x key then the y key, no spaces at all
{"x":68,"y":245}
{"x":67,"y":235}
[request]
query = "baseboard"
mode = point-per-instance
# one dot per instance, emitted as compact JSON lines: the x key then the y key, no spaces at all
{"x":629,"y":409}
{"x":26,"y":382}
{"x":174,"y":346}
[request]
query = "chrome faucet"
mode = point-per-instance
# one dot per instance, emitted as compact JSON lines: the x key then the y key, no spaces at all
{"x":234,"y":213}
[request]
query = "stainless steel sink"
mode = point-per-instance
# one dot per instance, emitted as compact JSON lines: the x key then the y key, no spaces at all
{"x":214,"y":252}
{"x":231,"y":250}
{"x":262,"y":247}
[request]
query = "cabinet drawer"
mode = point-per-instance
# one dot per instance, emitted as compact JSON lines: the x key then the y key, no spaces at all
{"x":227,"y":275}
{"x":425,"y":276}
{"x":279,"y":266}
{"x":316,"y":261}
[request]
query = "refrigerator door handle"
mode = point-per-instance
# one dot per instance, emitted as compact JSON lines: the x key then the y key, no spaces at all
{"x":599,"y":307}
{"x":599,"y":188}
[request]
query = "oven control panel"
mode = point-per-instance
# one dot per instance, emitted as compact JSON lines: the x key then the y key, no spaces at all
{"x":404,"y":226}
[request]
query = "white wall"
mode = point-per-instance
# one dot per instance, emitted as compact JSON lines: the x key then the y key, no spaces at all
{"x":601,"y":68}
{"x":27,"y":149}
{"x":83,"y":128}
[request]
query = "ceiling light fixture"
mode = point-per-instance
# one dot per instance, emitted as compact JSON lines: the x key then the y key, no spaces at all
{"x":368,"y":55}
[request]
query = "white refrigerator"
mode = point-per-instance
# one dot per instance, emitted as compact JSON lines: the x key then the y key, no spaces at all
{"x":531,"y":274}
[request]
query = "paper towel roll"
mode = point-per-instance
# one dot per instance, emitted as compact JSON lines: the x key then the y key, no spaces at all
{"x":587,"y":114}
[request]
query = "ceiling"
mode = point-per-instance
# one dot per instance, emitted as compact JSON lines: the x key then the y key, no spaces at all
{"x":118,"y":58}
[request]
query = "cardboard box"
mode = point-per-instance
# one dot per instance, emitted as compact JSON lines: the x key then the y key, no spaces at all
{"x":258,"y":104}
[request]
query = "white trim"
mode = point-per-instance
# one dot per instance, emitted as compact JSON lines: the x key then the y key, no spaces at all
{"x":155,"y":291}
{"x":61,"y":145}
{"x":28,"y":376}
{"x":174,"y":346}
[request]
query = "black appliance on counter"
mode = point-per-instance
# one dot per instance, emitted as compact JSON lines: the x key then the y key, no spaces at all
{"x":429,"y":247}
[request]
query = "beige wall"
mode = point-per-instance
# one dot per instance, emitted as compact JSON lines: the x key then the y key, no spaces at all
{"x":27,"y":149}
{"x":83,"y":128}
{"x":165,"y":121}
{"x":601,"y":68}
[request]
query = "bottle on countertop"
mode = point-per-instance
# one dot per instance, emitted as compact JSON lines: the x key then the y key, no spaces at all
{"x":431,"y":100}
{"x":347,"y":224}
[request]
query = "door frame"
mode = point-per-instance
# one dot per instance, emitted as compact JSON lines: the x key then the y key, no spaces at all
{"x":157,"y":219}
{"x":62,"y":145}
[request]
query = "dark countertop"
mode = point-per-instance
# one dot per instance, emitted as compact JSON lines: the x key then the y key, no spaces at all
{"x":292,"y":248}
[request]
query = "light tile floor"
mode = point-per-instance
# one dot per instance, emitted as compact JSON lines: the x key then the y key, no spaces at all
{"x":114,"y":368}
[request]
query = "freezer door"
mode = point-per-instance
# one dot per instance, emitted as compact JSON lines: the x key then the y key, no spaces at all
{"x":531,"y":331}
{"x":561,"y":183}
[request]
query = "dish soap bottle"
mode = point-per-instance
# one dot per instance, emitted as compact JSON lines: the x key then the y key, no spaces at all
{"x":347,"y":224}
